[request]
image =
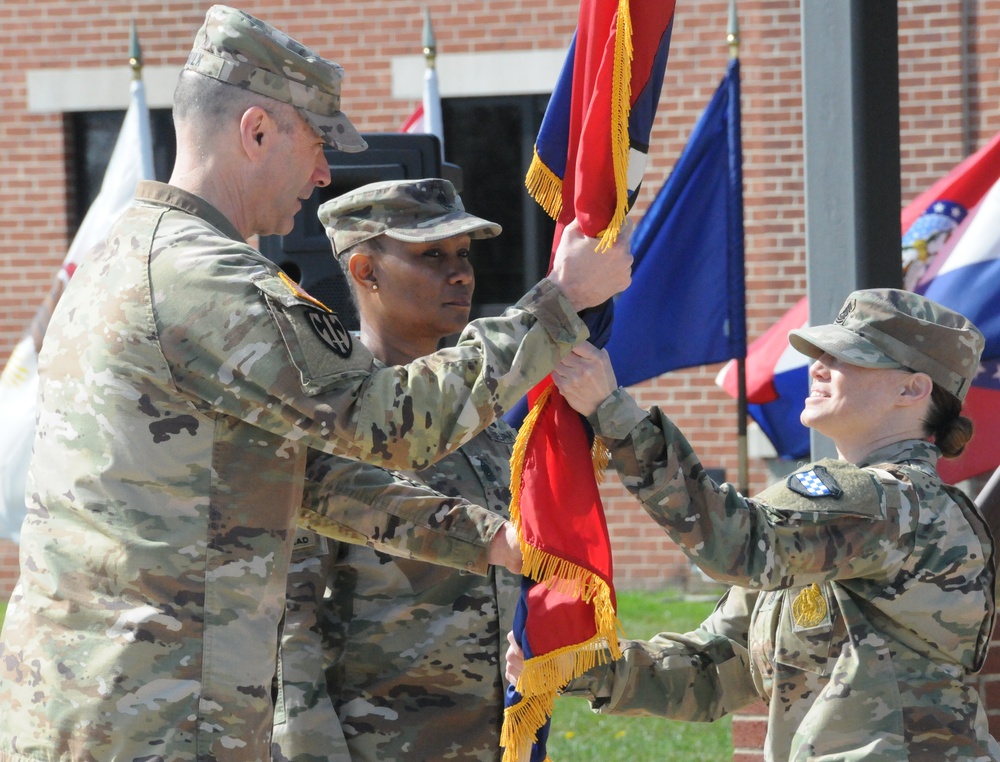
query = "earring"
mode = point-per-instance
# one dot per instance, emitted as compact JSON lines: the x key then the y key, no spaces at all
{"x":375,"y":287}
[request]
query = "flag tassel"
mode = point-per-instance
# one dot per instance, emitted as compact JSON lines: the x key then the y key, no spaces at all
{"x":520,"y":725}
{"x":544,"y":186}
{"x":523,"y":719}
{"x":621,"y":96}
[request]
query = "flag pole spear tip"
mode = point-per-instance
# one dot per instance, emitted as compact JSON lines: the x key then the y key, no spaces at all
{"x":733,"y":31}
{"x":430,"y":45}
{"x":134,"y":52}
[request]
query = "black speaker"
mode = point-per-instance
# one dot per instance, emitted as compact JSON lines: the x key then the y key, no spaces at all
{"x":305,"y":254}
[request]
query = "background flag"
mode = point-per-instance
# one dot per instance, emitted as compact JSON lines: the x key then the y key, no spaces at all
{"x":686,"y":303}
{"x":131,"y":160}
{"x":588,"y":164}
{"x":935,"y":225}
{"x":965,"y":275}
{"x":415,"y":121}
{"x":426,"y":117}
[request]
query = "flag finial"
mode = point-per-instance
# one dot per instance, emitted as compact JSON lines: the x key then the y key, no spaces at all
{"x":134,"y":53}
{"x":733,"y":31}
{"x":430,"y":45}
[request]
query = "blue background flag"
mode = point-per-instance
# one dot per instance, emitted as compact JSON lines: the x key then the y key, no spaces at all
{"x":686,"y":303}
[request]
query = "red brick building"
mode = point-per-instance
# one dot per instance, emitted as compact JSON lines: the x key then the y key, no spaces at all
{"x":66,"y":59}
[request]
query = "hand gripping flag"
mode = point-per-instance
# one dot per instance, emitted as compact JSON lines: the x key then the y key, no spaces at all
{"x":935,"y":224}
{"x":131,"y":160}
{"x":589,"y":159}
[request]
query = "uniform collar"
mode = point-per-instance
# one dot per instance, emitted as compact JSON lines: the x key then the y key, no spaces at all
{"x":911,"y":450}
{"x":172,"y":196}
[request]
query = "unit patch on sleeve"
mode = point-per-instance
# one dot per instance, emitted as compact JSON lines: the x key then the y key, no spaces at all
{"x":816,"y":482}
{"x":330,"y":331}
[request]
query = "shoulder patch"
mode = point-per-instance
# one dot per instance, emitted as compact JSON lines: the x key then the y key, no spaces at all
{"x":318,"y":343}
{"x":816,"y":482}
{"x":330,"y":331}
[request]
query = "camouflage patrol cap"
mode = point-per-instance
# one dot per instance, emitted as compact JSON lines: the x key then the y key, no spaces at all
{"x":240,"y":50}
{"x":415,"y":211}
{"x":889,"y":328}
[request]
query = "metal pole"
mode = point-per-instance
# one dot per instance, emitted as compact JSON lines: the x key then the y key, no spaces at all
{"x":850,"y":96}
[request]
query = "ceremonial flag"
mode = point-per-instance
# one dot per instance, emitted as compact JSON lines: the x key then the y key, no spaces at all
{"x":686,"y":303}
{"x":588,"y":164}
{"x":934,"y":230}
{"x":131,"y":160}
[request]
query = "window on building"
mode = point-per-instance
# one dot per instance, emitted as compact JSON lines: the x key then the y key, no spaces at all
{"x":492,"y":140}
{"x":94,"y":134}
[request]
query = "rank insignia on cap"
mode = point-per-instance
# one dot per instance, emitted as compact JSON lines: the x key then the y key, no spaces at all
{"x":816,"y":482}
{"x":330,"y":331}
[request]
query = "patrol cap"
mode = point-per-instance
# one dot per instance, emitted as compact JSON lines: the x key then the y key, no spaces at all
{"x":889,"y":328}
{"x":415,"y":211}
{"x":240,"y":50}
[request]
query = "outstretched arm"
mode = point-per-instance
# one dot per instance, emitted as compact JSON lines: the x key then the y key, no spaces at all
{"x":386,"y":510}
{"x":697,"y":676}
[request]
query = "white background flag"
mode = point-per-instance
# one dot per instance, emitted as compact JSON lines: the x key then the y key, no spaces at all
{"x":131,"y":161}
{"x":426,"y":118}
{"x":433,"y":124}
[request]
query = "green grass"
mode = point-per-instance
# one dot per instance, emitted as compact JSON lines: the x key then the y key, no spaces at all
{"x":579,"y":735}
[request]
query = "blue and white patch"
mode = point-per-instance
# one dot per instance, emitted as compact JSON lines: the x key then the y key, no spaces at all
{"x":816,"y":482}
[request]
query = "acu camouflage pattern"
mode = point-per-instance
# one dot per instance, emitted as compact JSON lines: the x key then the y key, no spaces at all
{"x":412,"y":652}
{"x":385,"y":510}
{"x":898,"y":570}
{"x":415,"y":211}
{"x":181,"y":383}
{"x":891,"y":328}
{"x":234,"y":47}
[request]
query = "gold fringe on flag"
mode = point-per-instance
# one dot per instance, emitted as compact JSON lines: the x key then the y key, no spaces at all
{"x":520,"y":726}
{"x":543,"y":676}
{"x":522,"y":720}
{"x":621,"y":99}
{"x":544,"y":186}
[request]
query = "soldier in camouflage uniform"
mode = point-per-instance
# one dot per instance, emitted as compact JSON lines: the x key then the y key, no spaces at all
{"x":400,"y":659}
{"x":182,"y":379}
{"x":864,"y":585}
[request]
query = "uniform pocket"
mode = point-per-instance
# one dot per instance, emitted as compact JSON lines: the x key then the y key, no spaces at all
{"x":804,"y":637}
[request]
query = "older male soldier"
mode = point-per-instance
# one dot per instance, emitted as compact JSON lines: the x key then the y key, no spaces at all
{"x":183,"y":378}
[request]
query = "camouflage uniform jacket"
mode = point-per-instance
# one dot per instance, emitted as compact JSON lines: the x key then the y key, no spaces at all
{"x":865,"y":597}
{"x":182,"y":381}
{"x":412,"y":651}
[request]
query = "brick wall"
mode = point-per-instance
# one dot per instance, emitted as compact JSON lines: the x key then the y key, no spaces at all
{"x":950,"y":105}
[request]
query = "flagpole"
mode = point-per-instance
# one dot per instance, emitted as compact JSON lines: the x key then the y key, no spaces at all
{"x":137,"y":93}
{"x":433,"y":121}
{"x":988,"y":502}
{"x":742,"y":412}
